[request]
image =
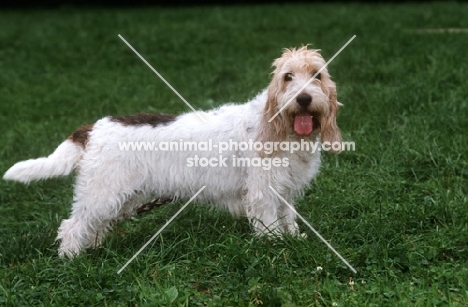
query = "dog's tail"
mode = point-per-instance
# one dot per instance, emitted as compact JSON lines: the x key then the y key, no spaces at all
{"x":61,"y":162}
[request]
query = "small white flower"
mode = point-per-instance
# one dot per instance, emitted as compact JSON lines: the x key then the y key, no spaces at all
{"x":334,"y":304}
{"x":351,"y":284}
{"x":319,"y":268}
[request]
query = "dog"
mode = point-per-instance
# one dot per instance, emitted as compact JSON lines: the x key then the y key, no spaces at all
{"x":112,"y":182}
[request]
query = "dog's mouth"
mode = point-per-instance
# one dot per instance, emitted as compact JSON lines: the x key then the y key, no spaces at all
{"x":305,"y":122}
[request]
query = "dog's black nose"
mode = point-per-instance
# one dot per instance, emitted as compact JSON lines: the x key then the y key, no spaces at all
{"x":304,"y":99}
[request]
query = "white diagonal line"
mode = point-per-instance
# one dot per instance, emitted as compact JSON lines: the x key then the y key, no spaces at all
{"x":313,"y":77}
{"x":160,"y":230}
{"x":315,"y":231}
{"x":162,"y":78}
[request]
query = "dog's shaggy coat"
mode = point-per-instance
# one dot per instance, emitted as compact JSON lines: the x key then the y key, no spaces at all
{"x":111,"y":183}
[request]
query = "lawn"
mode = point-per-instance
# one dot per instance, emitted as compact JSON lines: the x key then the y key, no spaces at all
{"x":396,"y":208}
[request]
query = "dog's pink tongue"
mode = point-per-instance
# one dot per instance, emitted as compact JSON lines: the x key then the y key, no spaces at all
{"x":303,"y":124}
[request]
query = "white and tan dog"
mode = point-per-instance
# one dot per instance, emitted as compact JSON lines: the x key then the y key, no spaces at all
{"x":111,"y":183}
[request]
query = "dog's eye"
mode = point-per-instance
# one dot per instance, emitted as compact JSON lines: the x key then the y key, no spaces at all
{"x":288,"y":76}
{"x":318,"y":76}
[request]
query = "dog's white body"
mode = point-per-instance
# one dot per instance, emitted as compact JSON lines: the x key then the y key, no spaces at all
{"x":112,"y":182}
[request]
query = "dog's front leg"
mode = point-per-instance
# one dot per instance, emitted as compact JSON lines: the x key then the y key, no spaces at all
{"x":287,"y":220}
{"x":262,"y":212}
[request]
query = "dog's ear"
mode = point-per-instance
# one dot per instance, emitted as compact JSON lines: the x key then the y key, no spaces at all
{"x":329,"y":129}
{"x":274,"y":131}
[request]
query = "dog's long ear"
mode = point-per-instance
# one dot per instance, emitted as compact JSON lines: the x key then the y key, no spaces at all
{"x":330,"y":131}
{"x":274,"y":131}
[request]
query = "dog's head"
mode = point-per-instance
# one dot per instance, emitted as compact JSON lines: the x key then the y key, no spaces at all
{"x":307,"y":108}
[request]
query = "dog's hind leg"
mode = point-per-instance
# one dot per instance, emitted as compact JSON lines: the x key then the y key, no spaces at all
{"x":85,"y":228}
{"x":94,"y":209}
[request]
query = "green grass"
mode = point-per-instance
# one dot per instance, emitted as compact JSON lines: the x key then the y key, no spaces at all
{"x":396,"y":208}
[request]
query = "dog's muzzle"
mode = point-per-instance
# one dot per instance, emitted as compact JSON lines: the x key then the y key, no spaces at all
{"x":303,"y":124}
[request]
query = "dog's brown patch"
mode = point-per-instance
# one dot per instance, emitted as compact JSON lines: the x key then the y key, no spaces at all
{"x":144,"y":119}
{"x":81,"y":135}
